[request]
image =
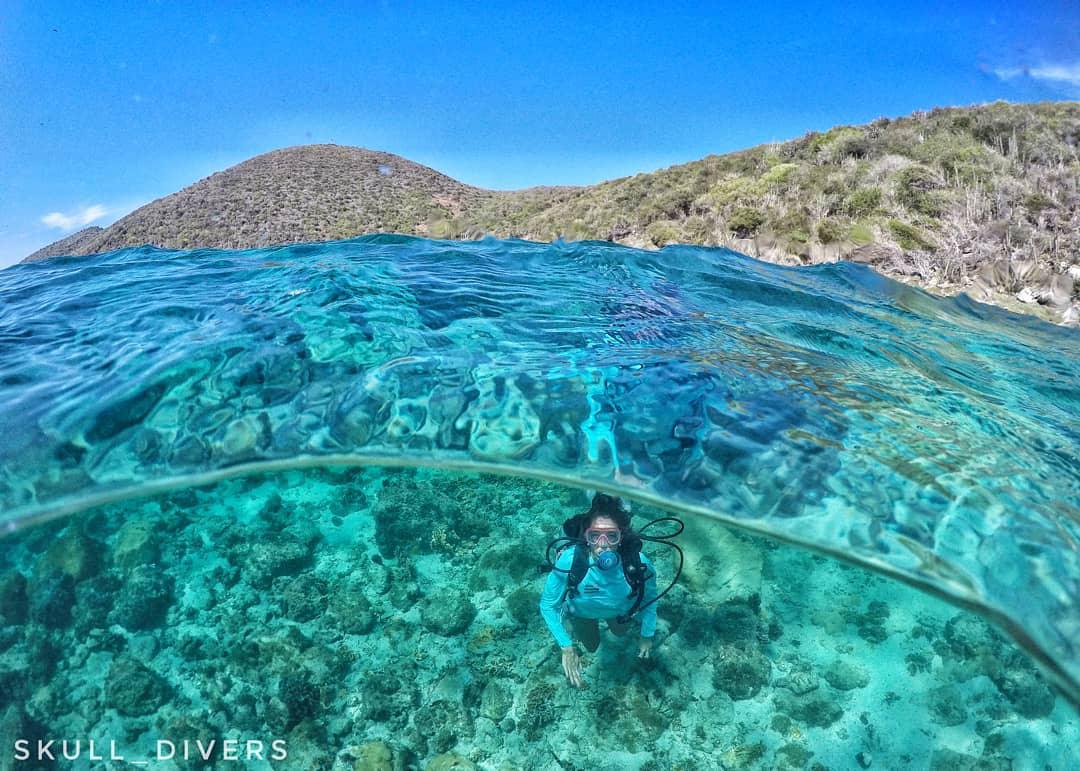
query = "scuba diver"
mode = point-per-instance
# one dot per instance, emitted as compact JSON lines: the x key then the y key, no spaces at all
{"x":586,"y":584}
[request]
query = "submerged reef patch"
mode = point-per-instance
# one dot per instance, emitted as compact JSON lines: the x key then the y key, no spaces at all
{"x":267,"y":606}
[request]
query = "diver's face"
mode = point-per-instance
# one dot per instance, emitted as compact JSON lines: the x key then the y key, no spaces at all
{"x":603,"y":534}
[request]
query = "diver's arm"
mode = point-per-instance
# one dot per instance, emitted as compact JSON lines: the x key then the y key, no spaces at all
{"x":550,"y":601}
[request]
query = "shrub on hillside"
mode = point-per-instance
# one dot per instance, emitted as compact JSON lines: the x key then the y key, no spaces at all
{"x":1038,"y":144}
{"x":697,"y":230}
{"x":444,"y":228}
{"x":778,"y":174}
{"x":745,"y":221}
{"x":676,"y":203}
{"x":650,"y":211}
{"x":861,"y":234}
{"x":1036,"y":202}
{"x":917,"y":189}
{"x":993,"y":126}
{"x":900,"y":138}
{"x":829,"y":231}
{"x":792,"y":224}
{"x":909,"y":237}
{"x":735,"y":191}
{"x":578,"y":230}
{"x":862,"y":201}
{"x":662,"y":232}
{"x":967,"y":164}
{"x":847,"y":143}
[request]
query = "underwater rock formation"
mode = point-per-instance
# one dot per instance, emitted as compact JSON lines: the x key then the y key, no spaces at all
{"x":740,"y":673}
{"x":51,"y":601}
{"x":447,"y":614}
{"x":137,"y":543}
{"x":14,"y":605}
{"x":844,"y":675}
{"x":351,"y":610}
{"x":133,"y":689}
{"x":143,"y":599}
{"x":321,"y":655}
{"x":278,"y":556}
{"x":305,"y":597}
{"x":813,"y":709}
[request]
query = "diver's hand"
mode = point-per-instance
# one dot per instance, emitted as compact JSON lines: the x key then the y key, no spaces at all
{"x":571,"y":665}
{"x":644,"y":647}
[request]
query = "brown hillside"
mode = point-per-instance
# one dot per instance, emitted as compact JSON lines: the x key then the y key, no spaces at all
{"x":308,"y":193}
{"x":76,"y":243}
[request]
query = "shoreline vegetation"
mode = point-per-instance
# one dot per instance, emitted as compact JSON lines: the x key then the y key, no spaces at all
{"x":983,"y":200}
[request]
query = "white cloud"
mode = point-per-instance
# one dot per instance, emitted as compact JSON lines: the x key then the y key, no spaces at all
{"x":79,"y":218}
{"x":1061,"y":73}
{"x":1057,"y":74}
{"x":1008,"y":73}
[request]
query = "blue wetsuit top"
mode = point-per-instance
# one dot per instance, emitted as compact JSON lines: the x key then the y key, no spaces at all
{"x":602,"y":594}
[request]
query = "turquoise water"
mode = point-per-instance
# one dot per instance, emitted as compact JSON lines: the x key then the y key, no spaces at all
{"x":387,"y":618}
{"x":933,"y":441}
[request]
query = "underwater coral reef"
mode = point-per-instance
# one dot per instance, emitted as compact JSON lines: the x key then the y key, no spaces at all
{"x":386,"y":619}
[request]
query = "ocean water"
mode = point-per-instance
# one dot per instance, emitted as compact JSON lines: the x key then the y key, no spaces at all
{"x":301,"y":494}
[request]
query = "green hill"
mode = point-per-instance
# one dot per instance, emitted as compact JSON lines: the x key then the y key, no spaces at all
{"x":981,"y":199}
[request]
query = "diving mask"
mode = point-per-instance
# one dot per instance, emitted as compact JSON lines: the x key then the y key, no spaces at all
{"x":597,"y":537}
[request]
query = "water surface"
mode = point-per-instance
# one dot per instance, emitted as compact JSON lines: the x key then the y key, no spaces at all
{"x":933,"y":440}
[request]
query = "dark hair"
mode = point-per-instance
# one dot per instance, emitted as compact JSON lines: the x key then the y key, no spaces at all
{"x":604,"y":505}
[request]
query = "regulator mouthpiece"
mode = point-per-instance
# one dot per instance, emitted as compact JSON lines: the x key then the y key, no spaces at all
{"x":606,"y":560}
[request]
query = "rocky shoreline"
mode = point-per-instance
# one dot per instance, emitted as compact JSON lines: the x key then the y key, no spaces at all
{"x":1023,"y":287}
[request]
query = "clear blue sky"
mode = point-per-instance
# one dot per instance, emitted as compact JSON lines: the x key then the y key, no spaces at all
{"x":108,"y":105}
